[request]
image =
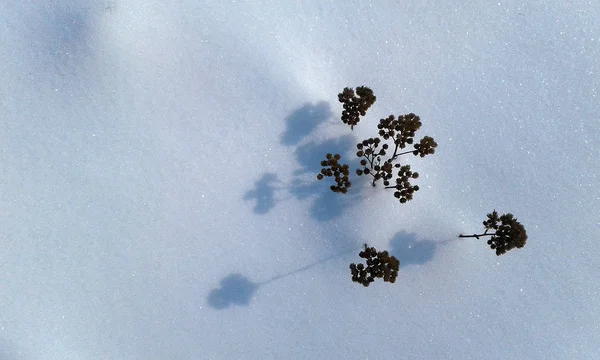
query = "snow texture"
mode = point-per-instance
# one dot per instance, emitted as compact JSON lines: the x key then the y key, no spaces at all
{"x":158,"y":193}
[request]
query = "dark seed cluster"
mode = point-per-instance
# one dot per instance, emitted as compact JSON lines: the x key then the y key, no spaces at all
{"x":355,"y":105}
{"x":377,"y":158}
{"x":404,"y":189}
{"x":425,"y":147}
{"x":505,"y":231}
{"x":371,"y":163}
{"x":332,"y":167}
{"x":401,"y":130}
{"x":508,"y":232}
{"x":378,"y":265}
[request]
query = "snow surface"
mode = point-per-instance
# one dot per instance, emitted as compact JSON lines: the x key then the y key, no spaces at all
{"x":158,"y":197}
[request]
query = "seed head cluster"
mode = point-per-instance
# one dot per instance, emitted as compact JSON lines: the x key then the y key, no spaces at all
{"x":379,"y":158}
{"x":372,"y":151}
{"x":404,"y":189}
{"x":355,"y":105}
{"x":341,"y":172}
{"x":401,"y":130}
{"x":425,"y":147}
{"x":508,"y":232}
{"x":378,"y":265}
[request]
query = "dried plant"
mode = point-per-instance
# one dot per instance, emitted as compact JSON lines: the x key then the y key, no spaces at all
{"x":341,"y":173}
{"x":355,"y":105}
{"x":372,"y":151}
{"x":505,"y":231}
{"x":378,"y":265}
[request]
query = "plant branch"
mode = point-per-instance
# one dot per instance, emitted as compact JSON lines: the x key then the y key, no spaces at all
{"x":403,"y":153}
{"x":475,"y":235}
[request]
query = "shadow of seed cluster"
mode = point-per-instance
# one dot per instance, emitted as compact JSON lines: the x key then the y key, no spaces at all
{"x":378,"y":265}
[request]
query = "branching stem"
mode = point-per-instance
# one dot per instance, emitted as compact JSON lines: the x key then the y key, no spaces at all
{"x":476,"y":236}
{"x":403,"y":153}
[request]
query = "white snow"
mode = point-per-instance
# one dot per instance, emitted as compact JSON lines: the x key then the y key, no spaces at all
{"x":158,"y":192}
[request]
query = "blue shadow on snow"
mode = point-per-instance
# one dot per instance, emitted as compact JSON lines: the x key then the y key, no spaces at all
{"x":303,"y":121}
{"x":409,"y":251}
{"x":263,"y":193}
{"x":326,"y":204}
{"x":237,"y":290}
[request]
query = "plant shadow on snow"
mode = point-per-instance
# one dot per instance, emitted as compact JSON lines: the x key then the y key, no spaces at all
{"x":67,"y":31}
{"x":303,"y":121}
{"x":327,"y":205}
{"x":237,"y":290}
{"x":304,"y":185}
{"x":234,"y":289}
{"x":263,"y":193}
{"x":411,"y":251}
